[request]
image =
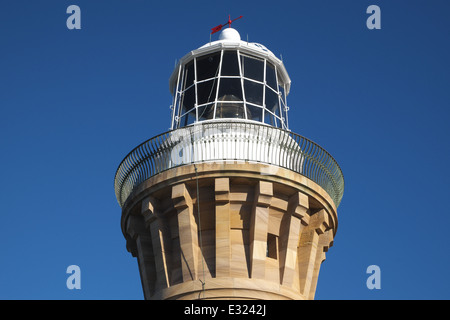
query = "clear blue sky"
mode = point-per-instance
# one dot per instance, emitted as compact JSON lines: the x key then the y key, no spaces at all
{"x":75,"y":102}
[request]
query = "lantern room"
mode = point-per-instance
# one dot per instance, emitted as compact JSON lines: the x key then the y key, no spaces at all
{"x":230,"y":79}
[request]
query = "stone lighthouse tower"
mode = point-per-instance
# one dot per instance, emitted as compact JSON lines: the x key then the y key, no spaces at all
{"x":229,"y":204}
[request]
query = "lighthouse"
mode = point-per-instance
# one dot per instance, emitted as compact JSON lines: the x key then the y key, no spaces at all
{"x":229,"y":203}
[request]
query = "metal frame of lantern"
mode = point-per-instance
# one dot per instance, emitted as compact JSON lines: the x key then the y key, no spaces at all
{"x":274,"y":89}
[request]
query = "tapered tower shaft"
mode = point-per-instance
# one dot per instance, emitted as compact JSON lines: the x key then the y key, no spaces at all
{"x":264,"y":232}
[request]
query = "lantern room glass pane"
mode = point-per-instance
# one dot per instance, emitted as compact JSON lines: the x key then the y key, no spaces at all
{"x":208,"y":66}
{"x":230,"y":66}
{"x":188,"y":118}
{"x":270,"y":119}
{"x":191,"y":117}
{"x":206,"y":112}
{"x":230,"y":89}
{"x":230,"y":110}
{"x":189,"y":98}
{"x":206,"y":91}
{"x":252,"y":68}
{"x":253,"y":92}
{"x":271,"y":77}
{"x":254,"y":113}
{"x":272,"y":102}
{"x":189,"y":74}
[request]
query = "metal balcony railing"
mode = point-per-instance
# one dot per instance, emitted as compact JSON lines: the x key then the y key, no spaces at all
{"x":229,"y":140}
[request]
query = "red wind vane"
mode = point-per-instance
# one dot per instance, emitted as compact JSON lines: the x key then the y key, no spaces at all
{"x":220,"y":26}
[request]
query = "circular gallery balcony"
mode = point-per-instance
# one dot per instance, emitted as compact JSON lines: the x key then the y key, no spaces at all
{"x":229,"y":140}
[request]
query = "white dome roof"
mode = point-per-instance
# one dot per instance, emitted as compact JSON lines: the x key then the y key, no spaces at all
{"x":230,"y":34}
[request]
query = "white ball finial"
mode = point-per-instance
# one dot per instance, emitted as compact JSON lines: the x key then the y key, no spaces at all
{"x":230,"y":34}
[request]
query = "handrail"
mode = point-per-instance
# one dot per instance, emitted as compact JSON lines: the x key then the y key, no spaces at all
{"x":232,"y":140}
